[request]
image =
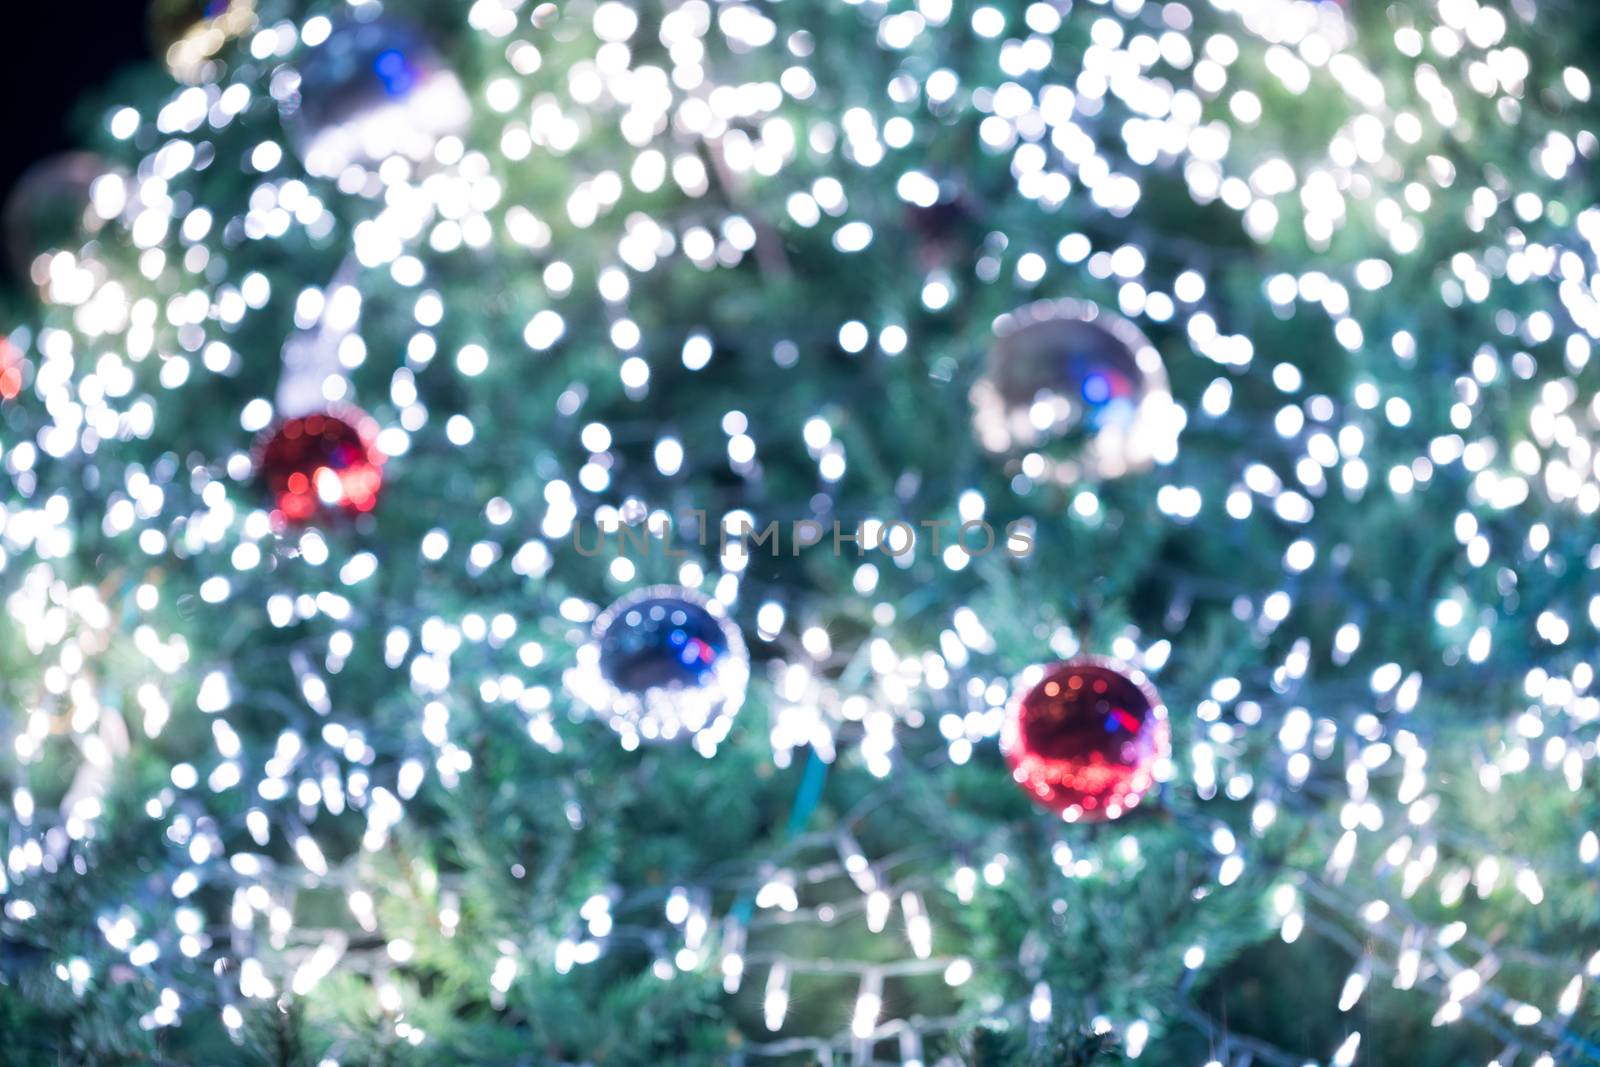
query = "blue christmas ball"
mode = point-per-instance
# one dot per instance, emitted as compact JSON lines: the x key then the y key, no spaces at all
{"x":666,"y":662}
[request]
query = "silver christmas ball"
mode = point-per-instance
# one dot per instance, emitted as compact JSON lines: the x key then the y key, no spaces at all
{"x":54,"y":207}
{"x":1081,"y":386}
{"x":664,"y":663}
{"x":370,"y":91}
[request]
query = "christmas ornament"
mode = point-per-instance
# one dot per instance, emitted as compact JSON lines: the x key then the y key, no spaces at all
{"x":944,"y":220}
{"x":53,"y":208}
{"x":326,"y":462}
{"x":1085,"y":740}
{"x":1080,"y":384}
{"x":373,"y":90}
{"x":665,"y":662}
{"x":12,"y":366}
{"x":188,"y":34}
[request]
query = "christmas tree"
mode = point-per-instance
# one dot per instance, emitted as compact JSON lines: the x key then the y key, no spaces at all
{"x":808,"y":531}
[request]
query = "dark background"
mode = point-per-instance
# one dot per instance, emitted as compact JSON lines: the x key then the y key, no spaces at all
{"x":61,"y":52}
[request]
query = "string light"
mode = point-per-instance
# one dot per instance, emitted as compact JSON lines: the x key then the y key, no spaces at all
{"x":131,"y":330}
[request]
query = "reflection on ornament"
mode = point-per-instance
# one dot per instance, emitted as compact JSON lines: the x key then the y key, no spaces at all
{"x":59,"y":204}
{"x":188,"y":34}
{"x":1087,"y":738}
{"x":324,"y":463}
{"x":664,"y":662}
{"x":1081,"y":385}
{"x":370,"y":91}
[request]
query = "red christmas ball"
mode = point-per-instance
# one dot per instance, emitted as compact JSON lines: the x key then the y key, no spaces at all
{"x":1086,"y":739}
{"x":12,"y":366}
{"x":324,"y":463}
